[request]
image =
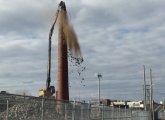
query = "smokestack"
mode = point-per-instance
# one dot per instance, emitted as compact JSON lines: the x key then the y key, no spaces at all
{"x":62,"y":70}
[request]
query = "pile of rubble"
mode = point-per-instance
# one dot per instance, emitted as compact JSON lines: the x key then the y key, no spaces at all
{"x":29,"y":111}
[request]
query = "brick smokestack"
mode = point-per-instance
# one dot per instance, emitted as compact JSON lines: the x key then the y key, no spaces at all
{"x":62,"y":70}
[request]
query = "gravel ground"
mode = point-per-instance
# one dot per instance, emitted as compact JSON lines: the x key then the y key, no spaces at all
{"x":29,"y":111}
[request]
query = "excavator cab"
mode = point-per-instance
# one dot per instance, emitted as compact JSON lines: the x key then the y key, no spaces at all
{"x":50,"y":91}
{"x":47,"y":93}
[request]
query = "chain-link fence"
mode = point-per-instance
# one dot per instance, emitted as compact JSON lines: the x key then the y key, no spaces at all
{"x":161,"y":115}
{"x":50,"y":109}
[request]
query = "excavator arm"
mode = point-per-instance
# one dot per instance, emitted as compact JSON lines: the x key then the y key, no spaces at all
{"x":50,"y":90}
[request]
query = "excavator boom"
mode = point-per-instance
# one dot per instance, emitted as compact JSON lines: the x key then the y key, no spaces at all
{"x":50,"y":90}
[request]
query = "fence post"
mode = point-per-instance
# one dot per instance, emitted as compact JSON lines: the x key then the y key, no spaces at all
{"x":119,"y":113}
{"x":137,"y":115}
{"x":102,"y":112}
{"x":7,"y":109}
{"x":89,"y":109}
{"x":112,"y":112}
{"x":131,"y":114}
{"x":81,"y":112}
{"x":66,"y":111}
{"x":125,"y":113}
{"x":42,"y":108}
{"x":73,"y":111}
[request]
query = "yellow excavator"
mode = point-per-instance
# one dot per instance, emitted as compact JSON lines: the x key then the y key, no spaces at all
{"x":50,"y":90}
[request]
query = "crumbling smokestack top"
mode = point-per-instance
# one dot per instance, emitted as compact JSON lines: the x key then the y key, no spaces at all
{"x":62,"y":5}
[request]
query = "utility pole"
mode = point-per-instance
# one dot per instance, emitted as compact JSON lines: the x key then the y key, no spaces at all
{"x":99,"y":75}
{"x":163,"y":103}
{"x":151,"y":95}
{"x":144,"y":89}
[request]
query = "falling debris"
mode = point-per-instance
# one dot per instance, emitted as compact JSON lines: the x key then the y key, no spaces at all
{"x":69,"y":33}
{"x":77,"y":67}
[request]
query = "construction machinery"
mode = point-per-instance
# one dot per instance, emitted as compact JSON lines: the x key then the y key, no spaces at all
{"x":66,"y":38}
{"x":50,"y":90}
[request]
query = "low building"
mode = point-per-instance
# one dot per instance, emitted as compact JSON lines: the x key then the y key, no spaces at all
{"x":106,"y":102}
{"x":138,"y":104}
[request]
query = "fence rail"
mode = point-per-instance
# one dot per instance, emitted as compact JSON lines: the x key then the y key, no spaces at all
{"x":46,"y":109}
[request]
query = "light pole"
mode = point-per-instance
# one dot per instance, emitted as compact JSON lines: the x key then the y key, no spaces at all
{"x":99,"y":75}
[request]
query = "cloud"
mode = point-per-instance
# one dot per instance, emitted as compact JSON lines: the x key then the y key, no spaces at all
{"x":28,"y":19}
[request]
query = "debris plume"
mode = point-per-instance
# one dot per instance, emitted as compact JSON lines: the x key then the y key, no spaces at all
{"x":69,"y":33}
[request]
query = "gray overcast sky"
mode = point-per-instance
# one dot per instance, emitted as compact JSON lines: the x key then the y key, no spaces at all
{"x":117,"y":37}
